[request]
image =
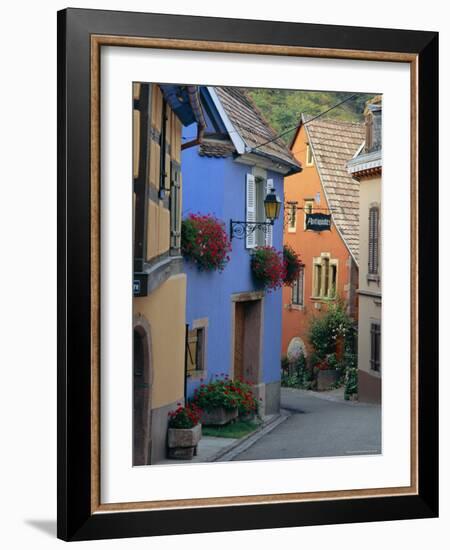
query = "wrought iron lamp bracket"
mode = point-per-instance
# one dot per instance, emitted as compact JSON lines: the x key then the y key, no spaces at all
{"x":241,"y":230}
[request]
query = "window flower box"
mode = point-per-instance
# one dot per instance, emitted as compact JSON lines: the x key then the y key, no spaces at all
{"x":268,"y":267}
{"x":292,"y":265}
{"x":205,"y":242}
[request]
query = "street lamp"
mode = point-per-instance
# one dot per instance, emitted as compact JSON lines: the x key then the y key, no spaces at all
{"x":272,"y":206}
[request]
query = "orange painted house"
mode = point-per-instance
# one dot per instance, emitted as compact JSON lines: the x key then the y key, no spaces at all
{"x":330,"y":257}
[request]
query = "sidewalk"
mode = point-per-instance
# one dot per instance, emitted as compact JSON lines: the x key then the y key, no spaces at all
{"x":213,"y":449}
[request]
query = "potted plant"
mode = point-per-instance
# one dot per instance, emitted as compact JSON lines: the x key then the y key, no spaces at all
{"x":218,"y":402}
{"x":205,"y":242}
{"x":268,"y":267}
{"x":327,"y":373}
{"x":292,"y":265}
{"x":184,"y":432}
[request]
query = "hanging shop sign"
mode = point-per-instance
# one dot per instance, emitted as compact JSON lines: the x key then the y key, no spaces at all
{"x":318,"y":222}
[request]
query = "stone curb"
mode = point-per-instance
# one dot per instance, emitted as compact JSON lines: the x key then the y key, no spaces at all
{"x":247,"y":441}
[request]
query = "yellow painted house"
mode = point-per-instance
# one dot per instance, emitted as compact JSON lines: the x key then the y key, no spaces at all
{"x":159,"y":284}
{"x":366,"y":167}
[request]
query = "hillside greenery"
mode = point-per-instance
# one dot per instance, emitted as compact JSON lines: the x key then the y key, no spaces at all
{"x":283,"y":108}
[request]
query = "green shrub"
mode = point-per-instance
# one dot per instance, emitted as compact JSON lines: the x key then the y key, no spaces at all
{"x":351,"y":382}
{"x":325,"y":332}
{"x":296,"y":374}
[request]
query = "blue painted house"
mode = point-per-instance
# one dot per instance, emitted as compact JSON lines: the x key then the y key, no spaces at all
{"x":234,"y":325}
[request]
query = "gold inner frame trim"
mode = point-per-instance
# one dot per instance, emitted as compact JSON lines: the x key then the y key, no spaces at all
{"x":97,"y":41}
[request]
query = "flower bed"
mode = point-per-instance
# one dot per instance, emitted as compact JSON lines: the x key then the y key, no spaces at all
{"x":268,"y":267}
{"x":204,"y":241}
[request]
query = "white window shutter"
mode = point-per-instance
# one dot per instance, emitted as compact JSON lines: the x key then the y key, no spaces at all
{"x":250,"y":217}
{"x":269,"y":233}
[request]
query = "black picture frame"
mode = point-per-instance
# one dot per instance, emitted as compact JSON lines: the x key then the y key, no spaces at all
{"x":76,"y":521}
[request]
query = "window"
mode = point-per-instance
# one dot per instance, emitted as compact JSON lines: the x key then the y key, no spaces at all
{"x":195,"y":351}
{"x":325,"y":277}
{"x":307,"y":209}
{"x":317,"y":282}
{"x":374,"y":230}
{"x":309,"y":155}
{"x":375,"y":347}
{"x":292,"y":218}
{"x":257,"y":188}
{"x":297,"y":288}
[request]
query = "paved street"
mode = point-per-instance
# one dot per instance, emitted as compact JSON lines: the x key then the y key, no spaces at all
{"x":320,"y":426}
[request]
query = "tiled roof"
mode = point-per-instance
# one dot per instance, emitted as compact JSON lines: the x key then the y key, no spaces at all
{"x":216,"y":149}
{"x":334,"y":143}
{"x":252,"y":126}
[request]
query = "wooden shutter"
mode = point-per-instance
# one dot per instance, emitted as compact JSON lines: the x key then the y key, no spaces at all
{"x":192,"y":340}
{"x":141,"y":212}
{"x":167,"y":146}
{"x":373,"y":240}
{"x":164,"y":143}
{"x":175,"y":207}
{"x":250,"y":205}
{"x":269,"y":232}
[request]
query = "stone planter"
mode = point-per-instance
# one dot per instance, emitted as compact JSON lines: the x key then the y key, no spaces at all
{"x":218,"y":417}
{"x":326,"y":379}
{"x":182,"y":442}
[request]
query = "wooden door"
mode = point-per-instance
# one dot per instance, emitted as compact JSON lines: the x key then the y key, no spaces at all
{"x":247,"y":340}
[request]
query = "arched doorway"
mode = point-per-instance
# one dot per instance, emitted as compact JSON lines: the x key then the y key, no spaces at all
{"x":142,"y":381}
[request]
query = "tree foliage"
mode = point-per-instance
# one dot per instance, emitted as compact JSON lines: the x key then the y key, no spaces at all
{"x":283,"y":108}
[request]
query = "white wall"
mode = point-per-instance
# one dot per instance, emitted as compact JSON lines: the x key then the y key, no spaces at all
{"x":28,"y":279}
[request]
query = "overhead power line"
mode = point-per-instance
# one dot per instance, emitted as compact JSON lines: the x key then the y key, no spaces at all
{"x":307,"y":122}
